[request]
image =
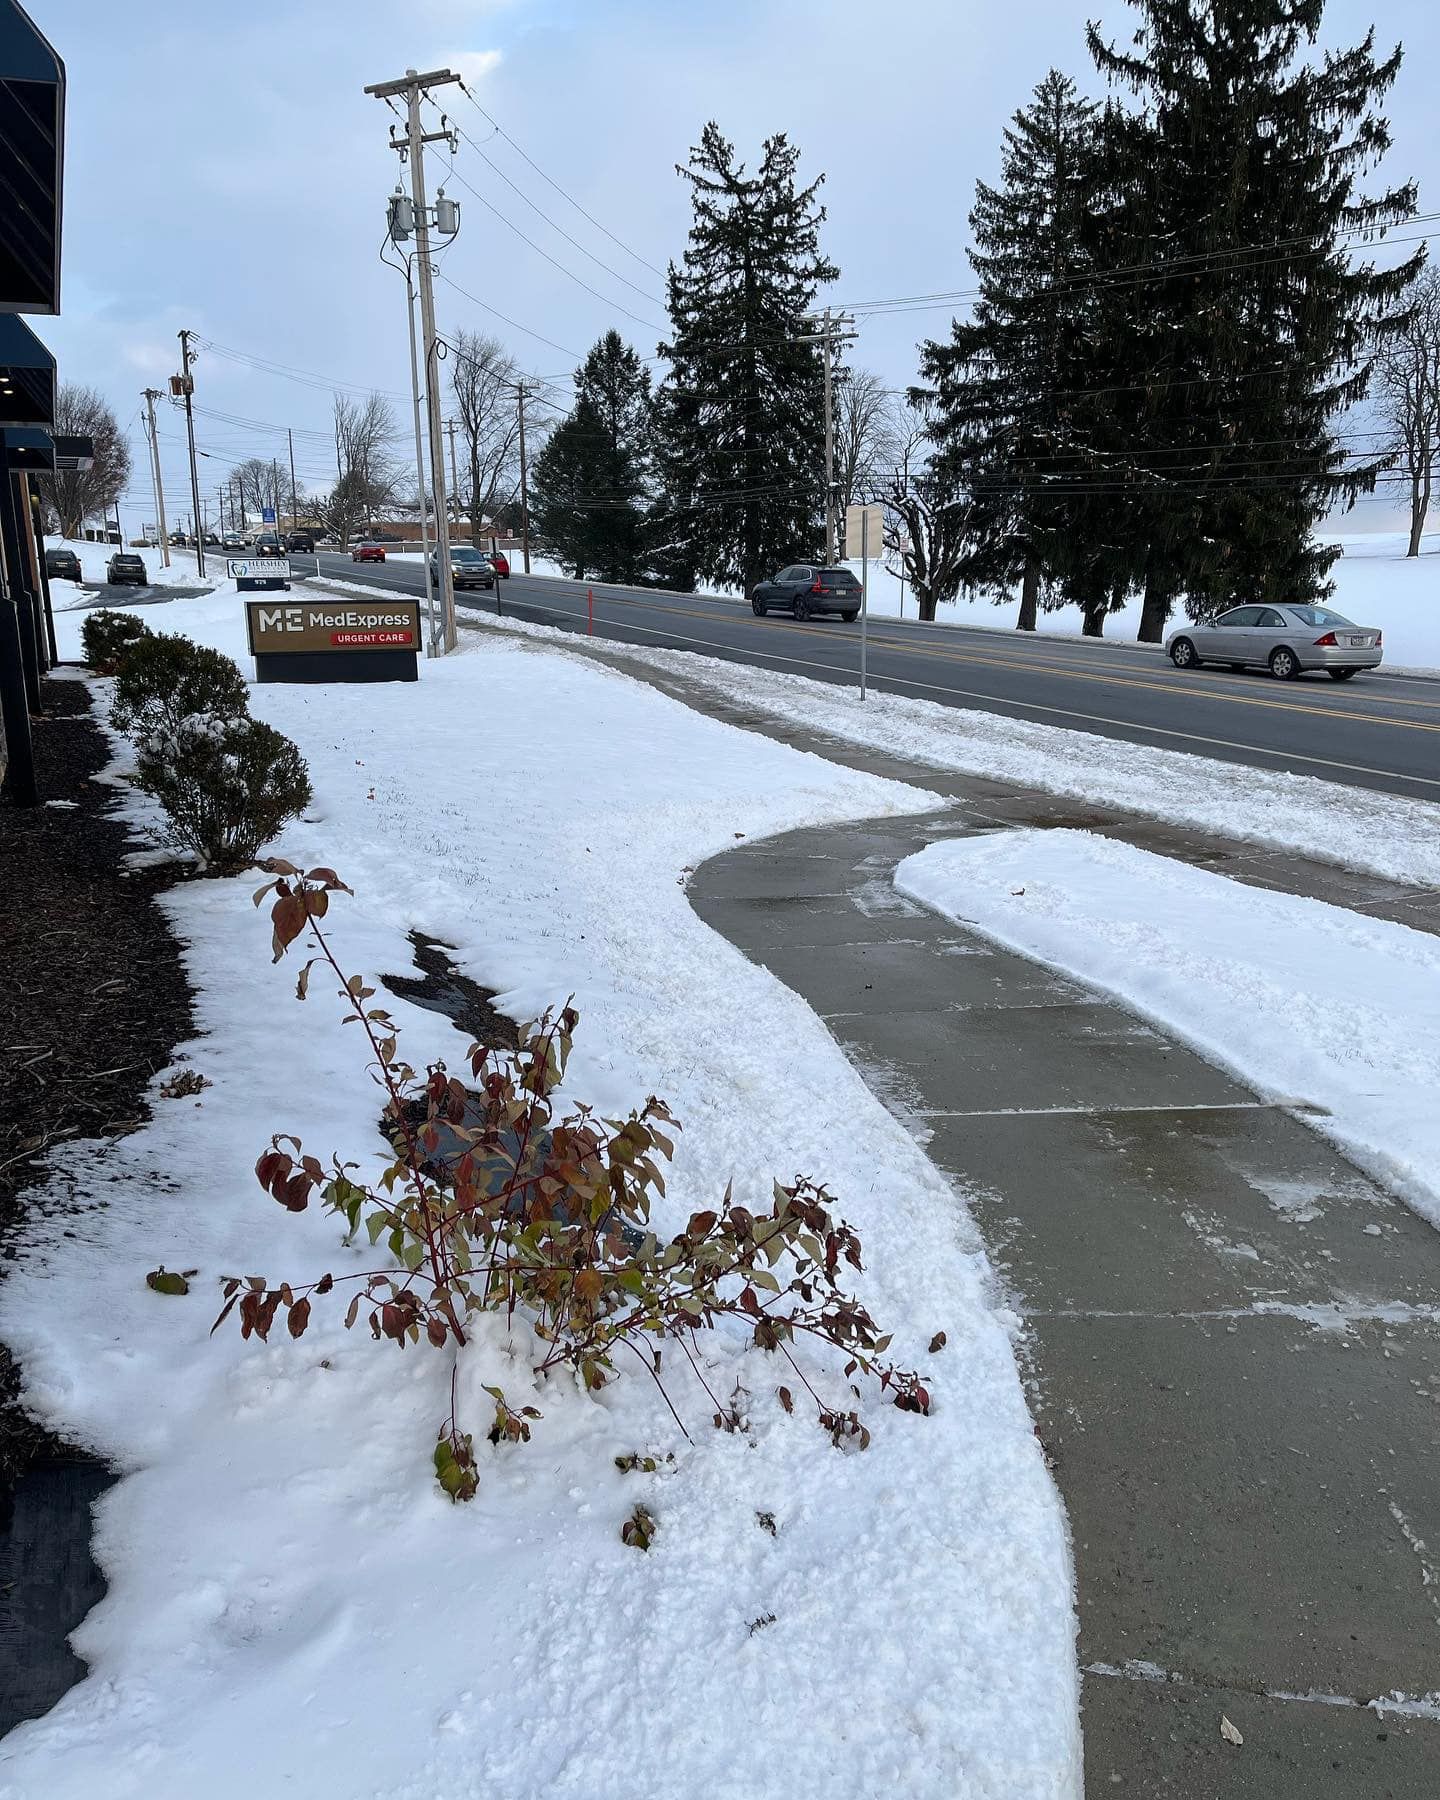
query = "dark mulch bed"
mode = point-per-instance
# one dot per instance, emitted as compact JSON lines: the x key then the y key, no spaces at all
{"x":92,"y":995}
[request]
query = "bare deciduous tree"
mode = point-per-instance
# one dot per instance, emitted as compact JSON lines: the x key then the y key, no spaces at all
{"x":926,"y":517}
{"x":483,"y":379}
{"x":79,"y":494}
{"x":365,"y":438}
{"x":867,"y":435}
{"x":1407,"y":398}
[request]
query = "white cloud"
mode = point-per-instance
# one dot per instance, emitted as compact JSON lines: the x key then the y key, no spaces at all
{"x":473,"y":65}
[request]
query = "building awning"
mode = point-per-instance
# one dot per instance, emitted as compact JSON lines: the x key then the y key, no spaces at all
{"x":74,"y":452}
{"x":27,"y":374}
{"x":32,"y":149}
{"x":28,"y":448}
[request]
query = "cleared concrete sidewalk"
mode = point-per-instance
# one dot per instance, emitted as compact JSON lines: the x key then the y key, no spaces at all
{"x":1232,"y":1336}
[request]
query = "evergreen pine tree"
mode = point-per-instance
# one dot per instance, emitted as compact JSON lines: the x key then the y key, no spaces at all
{"x":741,"y":438}
{"x":590,"y":488}
{"x":1233,"y":324}
{"x":1001,"y":386}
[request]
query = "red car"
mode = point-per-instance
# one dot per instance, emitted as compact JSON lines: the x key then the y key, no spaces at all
{"x":368,"y":553}
{"x":500,"y":563}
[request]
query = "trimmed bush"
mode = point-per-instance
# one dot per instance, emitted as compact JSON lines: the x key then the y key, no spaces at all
{"x":107,"y":636}
{"x":163,"y":683}
{"x":227,"y":785}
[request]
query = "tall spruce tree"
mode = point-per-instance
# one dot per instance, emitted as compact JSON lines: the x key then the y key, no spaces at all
{"x":1235,"y":328}
{"x":1001,"y":387}
{"x":741,"y":415}
{"x":590,"y":490}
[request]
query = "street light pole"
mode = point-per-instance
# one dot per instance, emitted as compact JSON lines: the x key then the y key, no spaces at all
{"x":524,"y":489}
{"x":432,"y":646}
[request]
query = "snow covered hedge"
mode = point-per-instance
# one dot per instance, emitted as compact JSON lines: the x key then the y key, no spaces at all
{"x":227,"y":782}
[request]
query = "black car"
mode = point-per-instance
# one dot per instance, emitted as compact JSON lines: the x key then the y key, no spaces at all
{"x":805,"y":589}
{"x":268,"y":544}
{"x":123,"y":567}
{"x":300,"y":543}
{"x":468,"y":567}
{"x":62,"y":565}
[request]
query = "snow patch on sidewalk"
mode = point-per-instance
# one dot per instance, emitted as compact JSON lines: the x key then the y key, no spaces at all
{"x":288,"y":1589}
{"x":1296,"y":997}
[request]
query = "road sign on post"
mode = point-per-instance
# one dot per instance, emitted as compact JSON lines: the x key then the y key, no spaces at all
{"x":864,"y":538}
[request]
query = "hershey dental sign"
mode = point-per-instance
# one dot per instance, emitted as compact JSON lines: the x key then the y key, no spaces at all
{"x":334,"y":640}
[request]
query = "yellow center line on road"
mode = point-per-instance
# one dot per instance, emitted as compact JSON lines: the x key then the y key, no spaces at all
{"x":979,"y":659}
{"x":1140,"y":676}
{"x":1186,"y":737}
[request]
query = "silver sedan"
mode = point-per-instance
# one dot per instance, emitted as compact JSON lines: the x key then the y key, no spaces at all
{"x":1286,"y":640}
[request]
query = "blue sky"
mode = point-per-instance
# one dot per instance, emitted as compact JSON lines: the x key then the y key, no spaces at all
{"x":226,"y":172}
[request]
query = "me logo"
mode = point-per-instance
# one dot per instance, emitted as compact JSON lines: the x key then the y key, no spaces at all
{"x":281,"y":618}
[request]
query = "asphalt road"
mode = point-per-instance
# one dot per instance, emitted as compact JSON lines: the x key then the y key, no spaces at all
{"x":1378,"y":731}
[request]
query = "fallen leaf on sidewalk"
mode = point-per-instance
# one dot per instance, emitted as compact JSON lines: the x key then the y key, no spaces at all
{"x":1229,"y":1732}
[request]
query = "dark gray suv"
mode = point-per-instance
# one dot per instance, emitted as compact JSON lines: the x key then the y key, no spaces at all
{"x":805,"y":589}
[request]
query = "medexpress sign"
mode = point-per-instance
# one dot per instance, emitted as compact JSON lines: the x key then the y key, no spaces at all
{"x":334,"y":640}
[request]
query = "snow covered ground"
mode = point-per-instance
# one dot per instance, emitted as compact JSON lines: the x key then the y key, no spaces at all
{"x":288,"y":1589}
{"x":1374,"y":833}
{"x":93,"y":559}
{"x":1300,"y":999}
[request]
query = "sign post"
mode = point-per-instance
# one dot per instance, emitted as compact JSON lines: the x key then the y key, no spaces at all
{"x":864,"y":528}
{"x":334,"y":640}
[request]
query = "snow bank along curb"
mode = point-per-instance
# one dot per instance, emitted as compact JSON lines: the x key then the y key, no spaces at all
{"x":1298,"y":998}
{"x":279,"y":1548}
{"x":1354,"y":828}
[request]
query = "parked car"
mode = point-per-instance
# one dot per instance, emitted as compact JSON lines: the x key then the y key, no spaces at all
{"x":368,"y":553}
{"x":1288,"y":640}
{"x":329,"y":543}
{"x":500,"y":563}
{"x":300,"y":543}
{"x":469,"y":568}
{"x":387,"y":537}
{"x":805,"y":589}
{"x":124,"y":567}
{"x":62,"y":564}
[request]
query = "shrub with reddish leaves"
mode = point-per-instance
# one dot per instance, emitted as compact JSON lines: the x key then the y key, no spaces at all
{"x":492,"y":1204}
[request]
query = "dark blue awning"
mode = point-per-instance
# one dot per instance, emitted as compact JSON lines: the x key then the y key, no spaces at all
{"x":27,"y":375}
{"x":27,"y":447}
{"x":32,"y":152}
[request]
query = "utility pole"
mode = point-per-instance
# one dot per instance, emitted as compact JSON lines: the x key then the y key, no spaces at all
{"x":294,"y":504}
{"x":413,"y":87}
{"x":831,"y":333}
{"x":455,"y":479}
{"x":524,"y":485}
{"x":184,"y":383}
{"x":151,"y":396}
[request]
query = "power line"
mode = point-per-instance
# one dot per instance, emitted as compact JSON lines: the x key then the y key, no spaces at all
{"x":644,"y":293}
{"x":570,"y":274}
{"x":570,"y":198}
{"x":1159,"y":265}
{"x":514,"y":323}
